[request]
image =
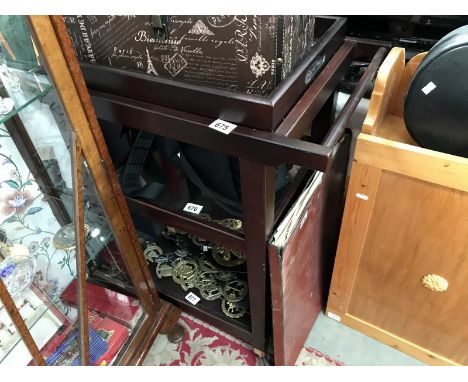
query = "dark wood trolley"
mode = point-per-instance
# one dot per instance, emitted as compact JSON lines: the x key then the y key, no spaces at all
{"x":268,"y":134}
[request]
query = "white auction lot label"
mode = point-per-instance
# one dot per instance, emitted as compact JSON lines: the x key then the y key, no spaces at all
{"x":222,"y":126}
{"x":193,"y":208}
{"x":192,"y":298}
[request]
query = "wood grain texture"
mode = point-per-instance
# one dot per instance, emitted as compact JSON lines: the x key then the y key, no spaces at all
{"x":296,"y":278}
{"x":168,"y":317}
{"x":60,"y":75}
{"x":300,"y":269}
{"x":394,"y":129}
{"x":258,"y":205}
{"x":396,"y":342}
{"x":85,"y":99}
{"x":386,"y":83}
{"x":429,"y":165}
{"x":73,"y":66}
{"x":296,"y":123}
{"x":364,"y":181}
{"x":80,"y":253}
{"x":417,"y":228}
{"x":398,"y":97}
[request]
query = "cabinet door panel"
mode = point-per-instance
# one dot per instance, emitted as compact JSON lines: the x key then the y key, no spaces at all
{"x":416,"y":229}
{"x":300,"y":267}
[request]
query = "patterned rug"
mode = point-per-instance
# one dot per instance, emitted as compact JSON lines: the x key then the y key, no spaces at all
{"x":205,"y":345}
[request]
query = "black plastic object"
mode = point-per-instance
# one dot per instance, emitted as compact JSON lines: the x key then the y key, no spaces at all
{"x":436,"y":106}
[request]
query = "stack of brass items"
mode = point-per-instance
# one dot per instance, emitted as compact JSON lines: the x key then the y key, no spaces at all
{"x":196,"y":263}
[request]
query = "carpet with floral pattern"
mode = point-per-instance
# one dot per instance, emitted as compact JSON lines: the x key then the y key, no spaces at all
{"x":204,"y":345}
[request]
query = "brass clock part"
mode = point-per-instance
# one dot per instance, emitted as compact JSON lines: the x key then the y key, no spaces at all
{"x":170,"y":258}
{"x":231,"y":309}
{"x":227,"y":257}
{"x":235,"y":290}
{"x":64,"y":238}
{"x":186,"y":285}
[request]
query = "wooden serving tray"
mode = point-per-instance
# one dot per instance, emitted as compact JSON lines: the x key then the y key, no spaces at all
{"x":263,"y":113}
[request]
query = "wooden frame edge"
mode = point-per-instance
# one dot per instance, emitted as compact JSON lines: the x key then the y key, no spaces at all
{"x":343,"y":277}
{"x":85,"y":99}
{"x":80,"y":252}
{"x":413,"y":161}
{"x":276,"y":303}
{"x":395,"y":342}
{"x":381,"y":100}
{"x":140,"y":344}
{"x":61,"y":75}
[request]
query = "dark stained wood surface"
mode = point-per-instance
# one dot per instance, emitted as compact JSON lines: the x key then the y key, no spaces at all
{"x":298,"y":121}
{"x":258,"y":202}
{"x":260,"y":151}
{"x":208,"y":311}
{"x":348,"y":109}
{"x":300,"y":271}
{"x":166,"y":318}
{"x":296,"y":273}
{"x":209,"y":231}
{"x":263,"y":113}
{"x":291,"y":193}
{"x":242,"y":142}
{"x":285,"y":96}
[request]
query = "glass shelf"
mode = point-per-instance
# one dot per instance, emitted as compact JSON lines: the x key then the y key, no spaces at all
{"x":33,"y":87}
{"x":41,"y":311}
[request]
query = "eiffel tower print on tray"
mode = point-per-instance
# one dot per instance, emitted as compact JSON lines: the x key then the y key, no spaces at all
{"x":150,"y":68}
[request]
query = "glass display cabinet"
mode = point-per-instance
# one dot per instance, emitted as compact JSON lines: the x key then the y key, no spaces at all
{"x":74,"y":286}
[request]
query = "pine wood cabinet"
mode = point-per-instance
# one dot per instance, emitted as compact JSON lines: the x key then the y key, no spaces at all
{"x":401,"y":267}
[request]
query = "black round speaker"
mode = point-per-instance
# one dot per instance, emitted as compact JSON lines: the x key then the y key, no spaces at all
{"x":436,"y":105}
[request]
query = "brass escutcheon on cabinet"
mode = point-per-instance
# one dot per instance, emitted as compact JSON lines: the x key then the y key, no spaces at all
{"x":435,"y":283}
